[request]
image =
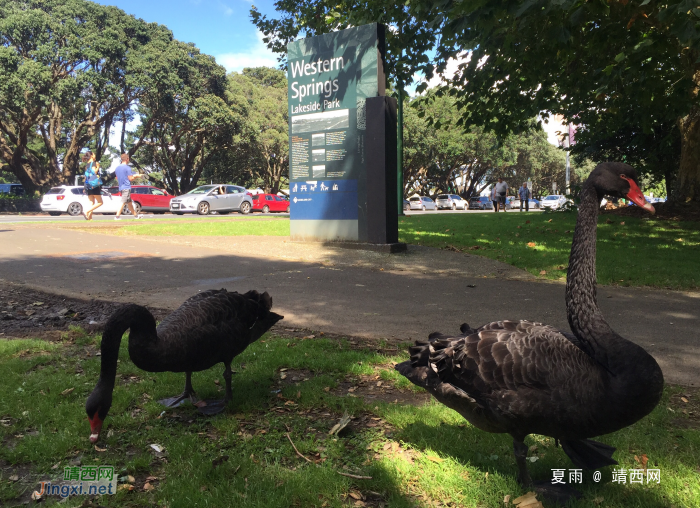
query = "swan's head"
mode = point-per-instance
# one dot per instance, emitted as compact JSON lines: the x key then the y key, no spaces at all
{"x":97,"y":407}
{"x":619,"y":180}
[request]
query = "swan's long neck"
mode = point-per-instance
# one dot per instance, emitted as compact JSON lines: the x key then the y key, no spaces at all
{"x":143,"y":327}
{"x":585,"y":319}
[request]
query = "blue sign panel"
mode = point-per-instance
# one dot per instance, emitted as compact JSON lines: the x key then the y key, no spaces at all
{"x":324,"y":200}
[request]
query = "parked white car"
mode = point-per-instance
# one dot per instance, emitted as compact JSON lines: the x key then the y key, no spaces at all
{"x":73,"y":200}
{"x":553,"y":201}
{"x":422,"y":203}
{"x":451,"y":201}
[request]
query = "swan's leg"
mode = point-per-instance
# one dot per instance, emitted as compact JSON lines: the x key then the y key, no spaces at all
{"x":559,"y":493}
{"x":520,"y":451}
{"x":187,"y":394}
{"x":212,"y":407}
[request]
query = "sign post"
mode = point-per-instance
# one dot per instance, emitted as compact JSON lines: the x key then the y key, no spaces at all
{"x":342,"y":139}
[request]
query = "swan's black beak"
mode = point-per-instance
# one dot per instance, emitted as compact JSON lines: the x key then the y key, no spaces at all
{"x":637,"y":197}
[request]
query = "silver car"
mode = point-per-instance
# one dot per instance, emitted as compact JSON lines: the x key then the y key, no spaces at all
{"x":422,"y":203}
{"x":213,"y":198}
{"x":553,"y":201}
{"x":451,"y":201}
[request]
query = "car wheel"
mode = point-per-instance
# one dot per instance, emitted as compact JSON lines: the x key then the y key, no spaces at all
{"x":137,"y":207}
{"x":454,"y":207}
{"x":203,"y":208}
{"x":245,"y":207}
{"x":54,"y":214}
{"x":424,"y":208}
{"x":266,"y":209}
{"x":75,"y":209}
{"x":287,"y":209}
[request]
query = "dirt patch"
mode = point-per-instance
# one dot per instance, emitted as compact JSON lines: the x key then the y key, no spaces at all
{"x":372,"y":389}
{"x":685,"y":407}
{"x":26,"y":312}
{"x":664,"y":211}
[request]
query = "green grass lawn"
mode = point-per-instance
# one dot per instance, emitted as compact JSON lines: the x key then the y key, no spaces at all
{"x":220,"y":226}
{"x":631,"y":251}
{"x":423,"y":456}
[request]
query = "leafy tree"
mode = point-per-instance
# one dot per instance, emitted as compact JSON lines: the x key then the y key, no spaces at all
{"x":628,"y":71}
{"x":186,"y":120}
{"x":68,"y":68}
{"x":261,"y":153}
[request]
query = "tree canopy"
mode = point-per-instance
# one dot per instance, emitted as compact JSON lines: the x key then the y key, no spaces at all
{"x":626,"y":71}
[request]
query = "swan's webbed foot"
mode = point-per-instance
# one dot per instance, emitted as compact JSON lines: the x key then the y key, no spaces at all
{"x":211,"y":407}
{"x":557,"y":493}
{"x":188,"y":394}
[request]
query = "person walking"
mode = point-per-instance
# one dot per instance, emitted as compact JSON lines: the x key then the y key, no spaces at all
{"x":494,"y":198}
{"x":93,"y":184}
{"x":524,"y":194}
{"x":124,"y":176}
{"x":501,"y":189}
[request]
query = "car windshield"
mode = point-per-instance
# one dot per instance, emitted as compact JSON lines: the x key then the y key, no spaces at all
{"x":415,"y":199}
{"x":484,"y":199}
{"x":443,"y":196}
{"x":55,"y":190}
{"x":551,"y":198}
{"x":203,"y":189}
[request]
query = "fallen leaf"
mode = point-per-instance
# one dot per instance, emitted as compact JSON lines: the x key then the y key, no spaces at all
{"x":157,"y":447}
{"x":310,"y":337}
{"x":299,"y":394}
{"x":550,"y":220}
{"x":125,"y":486}
{"x":527,"y":222}
{"x":14,"y":478}
{"x":36,"y":496}
{"x":622,"y":223}
{"x":684,"y":400}
{"x":679,"y":239}
{"x":327,"y":389}
{"x":543,"y":272}
{"x":531,"y":244}
{"x":344,"y":421}
{"x":506,"y":499}
{"x":642,"y":461}
{"x":66,"y":392}
{"x":216,"y":381}
{"x":283,"y":376}
{"x":598,"y":500}
{"x":355,"y":495}
{"x":202,"y":488}
{"x":435,"y":459}
{"x":148,"y":487}
{"x":152,"y":478}
{"x":98,"y":449}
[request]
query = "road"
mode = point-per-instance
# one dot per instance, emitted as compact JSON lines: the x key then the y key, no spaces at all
{"x":324,"y":287}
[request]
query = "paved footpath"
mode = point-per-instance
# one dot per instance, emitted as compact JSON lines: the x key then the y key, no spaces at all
{"x":324,"y":288}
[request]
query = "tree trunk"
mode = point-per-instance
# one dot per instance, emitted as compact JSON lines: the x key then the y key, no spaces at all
{"x":688,"y":183}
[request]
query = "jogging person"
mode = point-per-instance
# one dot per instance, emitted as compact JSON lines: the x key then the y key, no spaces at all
{"x":124,"y":176}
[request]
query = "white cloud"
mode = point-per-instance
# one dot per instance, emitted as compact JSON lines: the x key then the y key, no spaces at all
{"x":227,"y":10}
{"x":255,"y":56}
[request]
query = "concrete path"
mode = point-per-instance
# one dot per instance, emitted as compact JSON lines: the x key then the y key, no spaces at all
{"x":369,"y":294}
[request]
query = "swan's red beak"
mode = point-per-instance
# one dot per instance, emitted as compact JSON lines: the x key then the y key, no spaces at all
{"x":637,"y":197}
{"x":95,"y":428}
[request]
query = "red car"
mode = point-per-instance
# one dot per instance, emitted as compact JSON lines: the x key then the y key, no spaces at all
{"x":270,"y":203}
{"x":146,"y":198}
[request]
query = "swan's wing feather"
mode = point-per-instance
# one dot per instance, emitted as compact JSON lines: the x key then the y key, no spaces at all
{"x":215,"y":312}
{"x":506,"y":356}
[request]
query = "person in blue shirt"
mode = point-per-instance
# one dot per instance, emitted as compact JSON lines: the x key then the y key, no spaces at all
{"x":524,"y":194}
{"x":125,"y":176}
{"x":93,"y":184}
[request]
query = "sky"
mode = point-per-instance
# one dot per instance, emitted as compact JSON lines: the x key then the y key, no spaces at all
{"x":221,"y":28}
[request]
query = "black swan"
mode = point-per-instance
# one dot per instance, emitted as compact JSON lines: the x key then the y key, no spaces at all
{"x":211,"y":327}
{"x":521,"y":378}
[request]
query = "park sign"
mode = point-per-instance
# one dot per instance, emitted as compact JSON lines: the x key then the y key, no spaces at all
{"x":339,"y":119}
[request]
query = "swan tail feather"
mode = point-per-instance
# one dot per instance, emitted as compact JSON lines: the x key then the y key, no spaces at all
{"x":420,"y":354}
{"x":418,"y":375}
{"x":588,"y":454}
